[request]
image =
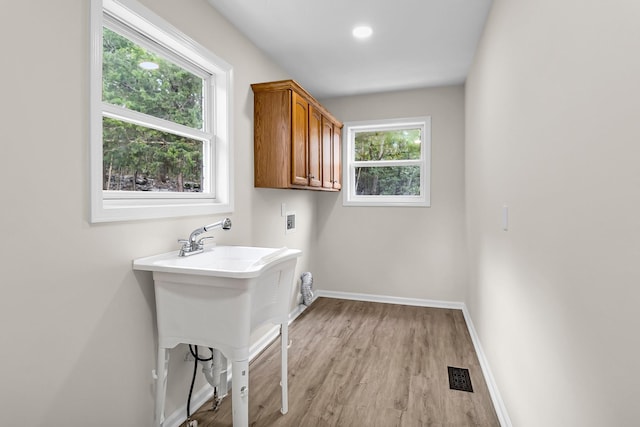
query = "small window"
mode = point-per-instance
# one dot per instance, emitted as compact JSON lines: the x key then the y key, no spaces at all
{"x":387,"y":162}
{"x":160,"y":119}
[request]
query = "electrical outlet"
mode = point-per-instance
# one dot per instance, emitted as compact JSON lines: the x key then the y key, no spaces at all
{"x":291,"y":222}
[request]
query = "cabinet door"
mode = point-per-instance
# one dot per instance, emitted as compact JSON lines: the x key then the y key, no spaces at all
{"x":327,"y":147}
{"x":315,"y":147}
{"x":336,"y":156}
{"x":299,"y":140}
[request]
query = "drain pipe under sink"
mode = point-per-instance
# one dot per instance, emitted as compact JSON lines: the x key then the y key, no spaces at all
{"x":215,"y":371}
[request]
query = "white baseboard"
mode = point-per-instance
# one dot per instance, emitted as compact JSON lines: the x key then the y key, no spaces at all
{"x":390,"y":300}
{"x":200,"y":397}
{"x":496,"y":399}
{"x":498,"y":403}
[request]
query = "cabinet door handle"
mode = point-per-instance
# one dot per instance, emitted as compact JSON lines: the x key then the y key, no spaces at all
{"x":311,"y":176}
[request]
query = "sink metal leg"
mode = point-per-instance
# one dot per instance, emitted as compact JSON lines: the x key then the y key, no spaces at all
{"x":240,"y":392}
{"x":284,"y":339}
{"x":162,"y":368}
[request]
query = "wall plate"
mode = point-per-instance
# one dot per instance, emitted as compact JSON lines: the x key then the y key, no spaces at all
{"x":290,"y":222}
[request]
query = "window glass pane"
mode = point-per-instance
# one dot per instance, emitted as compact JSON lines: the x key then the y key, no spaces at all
{"x":402,"y":144}
{"x":388,"y":181}
{"x":134,"y":78}
{"x":136,"y":158}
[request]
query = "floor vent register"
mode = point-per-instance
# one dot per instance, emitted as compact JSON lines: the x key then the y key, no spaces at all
{"x":459,"y":379}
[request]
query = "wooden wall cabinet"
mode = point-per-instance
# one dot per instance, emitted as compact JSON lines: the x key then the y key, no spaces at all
{"x":296,"y":140}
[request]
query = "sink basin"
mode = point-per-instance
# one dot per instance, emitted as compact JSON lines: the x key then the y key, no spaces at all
{"x":215,"y":299}
{"x":219,"y":261}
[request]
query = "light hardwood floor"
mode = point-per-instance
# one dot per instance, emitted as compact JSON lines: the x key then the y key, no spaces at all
{"x":355,"y":363}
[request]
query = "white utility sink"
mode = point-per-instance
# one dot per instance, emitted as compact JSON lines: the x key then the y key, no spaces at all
{"x":215,"y":299}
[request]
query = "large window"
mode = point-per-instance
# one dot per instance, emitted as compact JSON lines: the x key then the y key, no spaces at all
{"x":160,"y":119}
{"x":387,"y":162}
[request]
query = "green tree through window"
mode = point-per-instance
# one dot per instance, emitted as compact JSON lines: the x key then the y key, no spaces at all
{"x":137,"y":157}
{"x":392,"y":145}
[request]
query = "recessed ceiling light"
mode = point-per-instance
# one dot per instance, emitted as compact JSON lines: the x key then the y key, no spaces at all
{"x":147,"y":65}
{"x":362,"y":32}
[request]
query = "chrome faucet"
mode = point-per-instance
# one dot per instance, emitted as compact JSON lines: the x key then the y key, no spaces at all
{"x":194,"y":244}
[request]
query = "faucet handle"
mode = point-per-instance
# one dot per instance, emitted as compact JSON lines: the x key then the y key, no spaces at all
{"x":185,"y":247}
{"x":201,"y":240}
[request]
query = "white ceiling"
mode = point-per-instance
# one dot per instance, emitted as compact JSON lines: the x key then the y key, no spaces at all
{"x":415,"y":43}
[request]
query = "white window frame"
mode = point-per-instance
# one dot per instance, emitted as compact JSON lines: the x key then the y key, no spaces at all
{"x":217,"y":193}
{"x":350,"y":198}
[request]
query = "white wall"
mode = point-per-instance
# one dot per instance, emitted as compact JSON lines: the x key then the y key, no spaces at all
{"x":552,"y":130}
{"x":403,"y":252}
{"x":76,"y":323}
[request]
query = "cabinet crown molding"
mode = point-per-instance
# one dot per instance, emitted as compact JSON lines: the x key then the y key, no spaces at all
{"x":294,"y":86}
